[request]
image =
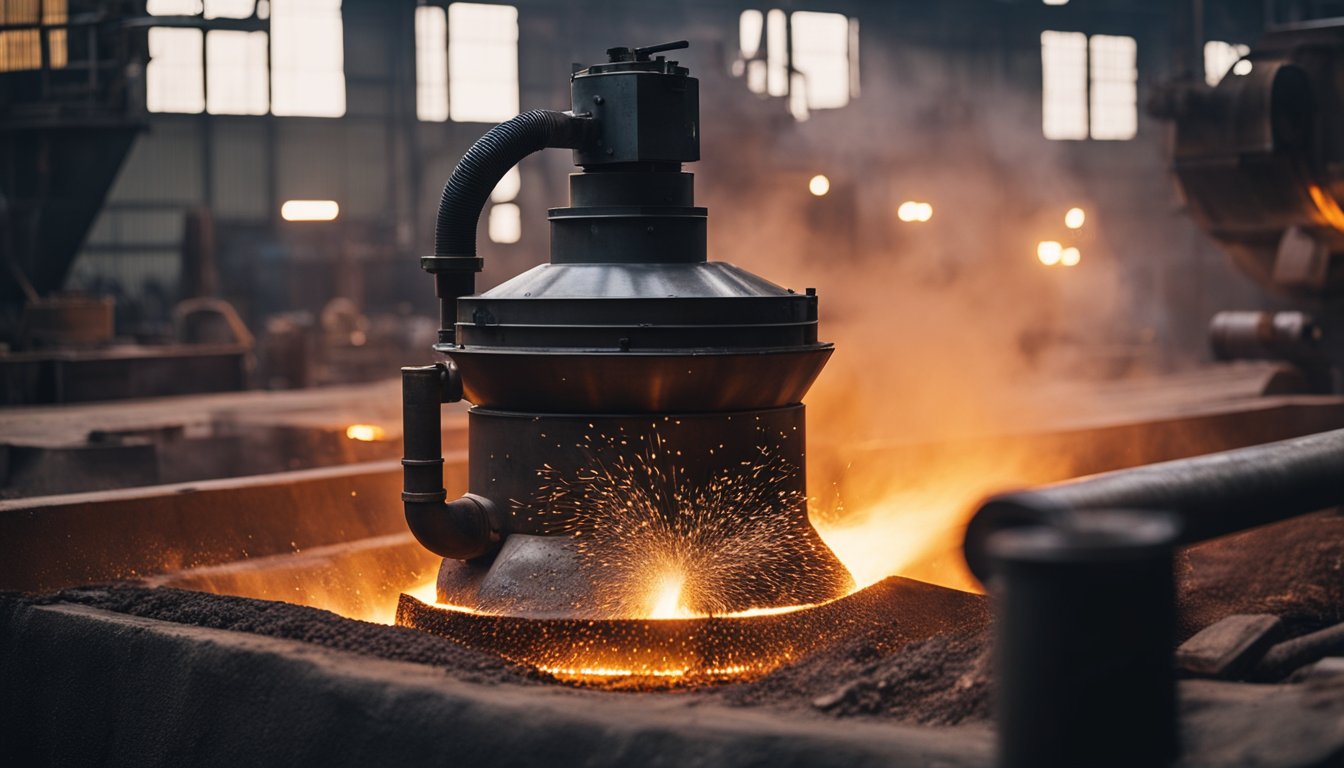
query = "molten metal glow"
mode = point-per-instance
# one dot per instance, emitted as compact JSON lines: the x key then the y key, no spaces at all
{"x":819,"y":185}
{"x":1075,"y":218}
{"x":427,"y":593}
{"x":1049,"y":252}
{"x":666,"y":603}
{"x":608,"y":675}
{"x":365,"y":433}
{"x":1327,"y":206}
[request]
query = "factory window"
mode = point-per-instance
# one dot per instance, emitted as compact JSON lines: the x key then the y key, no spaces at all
{"x":777,"y":53}
{"x":22,"y":48}
{"x":749,"y":28}
{"x":233,"y":9}
{"x":235,"y":73}
{"x":506,"y":223}
{"x":482,"y":62}
{"x":811,"y":58}
{"x":1089,"y":87}
{"x":1115,"y":94}
{"x":1221,"y":57}
{"x":307,"y":58}
{"x":173,"y":7}
{"x":296,"y":70}
{"x":821,"y":55}
{"x":506,"y":219}
{"x":431,"y":63}
{"x":174,"y":80}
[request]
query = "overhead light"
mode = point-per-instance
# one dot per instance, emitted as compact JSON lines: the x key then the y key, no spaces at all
{"x":1075,"y":218}
{"x":309,"y":210}
{"x":1049,"y":252}
{"x":819,"y":185}
{"x":914,"y":211}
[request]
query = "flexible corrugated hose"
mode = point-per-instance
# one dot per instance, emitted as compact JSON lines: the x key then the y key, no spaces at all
{"x":487,"y":161}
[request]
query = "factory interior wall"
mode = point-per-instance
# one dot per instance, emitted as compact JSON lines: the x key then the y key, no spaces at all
{"x":949,"y":111}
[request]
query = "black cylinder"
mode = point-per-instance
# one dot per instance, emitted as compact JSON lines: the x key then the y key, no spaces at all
{"x":1084,"y":626}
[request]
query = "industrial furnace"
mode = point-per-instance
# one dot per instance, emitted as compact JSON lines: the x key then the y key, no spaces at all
{"x":638,"y":414}
{"x":602,"y":544}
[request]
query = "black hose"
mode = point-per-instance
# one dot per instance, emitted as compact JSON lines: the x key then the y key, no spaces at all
{"x":1211,"y":495}
{"x":455,"y":263}
{"x":485,"y":164}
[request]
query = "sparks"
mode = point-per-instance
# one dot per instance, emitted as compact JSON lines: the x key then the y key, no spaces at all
{"x":665,"y":545}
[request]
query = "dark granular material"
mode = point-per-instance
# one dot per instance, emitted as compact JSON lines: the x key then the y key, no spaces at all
{"x":1293,"y":569}
{"x":940,"y":681}
{"x":295,"y":622}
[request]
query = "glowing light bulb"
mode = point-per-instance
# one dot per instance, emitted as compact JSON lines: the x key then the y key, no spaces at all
{"x":1075,"y":218}
{"x":1070,"y":257}
{"x":365,"y":433}
{"x":819,"y":185}
{"x":1049,"y":252}
{"x":310,"y":210}
{"x":914,"y":211}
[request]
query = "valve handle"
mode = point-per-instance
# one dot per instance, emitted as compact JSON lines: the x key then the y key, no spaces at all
{"x":642,"y":54}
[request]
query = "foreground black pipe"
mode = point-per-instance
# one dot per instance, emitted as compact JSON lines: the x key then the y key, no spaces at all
{"x":461,"y":529}
{"x":1211,"y":495}
{"x":455,"y":263}
{"x":1083,"y":631}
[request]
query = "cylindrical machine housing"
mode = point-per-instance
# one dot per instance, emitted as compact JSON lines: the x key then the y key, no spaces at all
{"x":638,"y":410}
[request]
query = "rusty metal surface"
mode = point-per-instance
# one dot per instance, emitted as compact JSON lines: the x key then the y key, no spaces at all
{"x":52,"y":542}
{"x":665,"y":652}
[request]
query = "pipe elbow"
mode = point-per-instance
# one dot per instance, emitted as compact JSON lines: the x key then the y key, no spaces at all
{"x":482,"y":167}
{"x":461,"y":529}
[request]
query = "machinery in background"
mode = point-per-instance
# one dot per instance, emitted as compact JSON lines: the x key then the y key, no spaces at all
{"x":71,"y":104}
{"x":1260,"y":160}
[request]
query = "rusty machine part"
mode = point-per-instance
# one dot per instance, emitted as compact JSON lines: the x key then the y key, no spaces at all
{"x":1260,"y":162}
{"x":629,"y":390}
{"x":1260,"y":159}
{"x":1292,"y":336}
{"x":1295,"y":338}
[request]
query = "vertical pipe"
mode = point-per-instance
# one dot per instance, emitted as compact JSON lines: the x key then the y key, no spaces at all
{"x":1084,"y":629}
{"x":464,"y":528}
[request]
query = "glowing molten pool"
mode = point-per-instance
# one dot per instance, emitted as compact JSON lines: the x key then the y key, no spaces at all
{"x":661,"y":653}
